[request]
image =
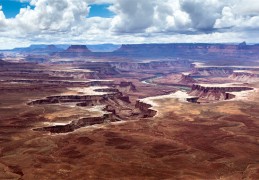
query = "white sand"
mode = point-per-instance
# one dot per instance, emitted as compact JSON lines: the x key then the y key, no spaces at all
{"x":246,"y":71}
{"x":202,"y":65}
{"x":56,"y":123}
{"x":86,"y":91}
{"x":100,"y":80}
{"x":223,"y":85}
{"x":94,"y":110}
{"x":245,"y":95}
{"x":180,"y":95}
{"x":186,"y":73}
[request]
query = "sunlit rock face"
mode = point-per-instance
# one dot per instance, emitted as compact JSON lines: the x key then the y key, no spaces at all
{"x":209,"y":93}
{"x":213,"y":71}
{"x":244,"y":76}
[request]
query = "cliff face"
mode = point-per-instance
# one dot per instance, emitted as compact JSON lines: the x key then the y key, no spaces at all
{"x":75,"y":75}
{"x":38,"y":49}
{"x":154,"y":51}
{"x":186,"y":79}
{"x":221,"y":89}
{"x":102,"y":69}
{"x":244,"y":77}
{"x":141,"y":110}
{"x":146,"y":109}
{"x":76,"y":124}
{"x":187,"y":50}
{"x":213,"y":71}
{"x":153,"y":65}
{"x":95,"y":99}
{"x":78,"y":49}
{"x":117,"y":107}
{"x":210,"y":94}
{"x":74,"y":51}
{"x":175,"y":79}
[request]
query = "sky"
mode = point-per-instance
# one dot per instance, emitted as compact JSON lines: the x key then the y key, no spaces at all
{"x":25,"y":22}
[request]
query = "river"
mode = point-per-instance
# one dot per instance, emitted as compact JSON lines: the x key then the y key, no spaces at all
{"x":159,"y":75}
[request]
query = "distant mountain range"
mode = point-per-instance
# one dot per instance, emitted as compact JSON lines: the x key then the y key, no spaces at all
{"x":205,"y":51}
{"x":48,"y":49}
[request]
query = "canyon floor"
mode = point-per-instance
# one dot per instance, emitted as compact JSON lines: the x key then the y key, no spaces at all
{"x":111,"y":120}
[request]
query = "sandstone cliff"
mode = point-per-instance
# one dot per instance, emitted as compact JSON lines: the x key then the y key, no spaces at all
{"x":74,"y":51}
{"x":213,"y":71}
{"x":175,"y":79}
{"x":209,"y":94}
{"x":244,"y":77}
{"x":202,"y":50}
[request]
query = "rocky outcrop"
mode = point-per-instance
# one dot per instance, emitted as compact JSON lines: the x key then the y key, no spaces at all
{"x":244,"y":77}
{"x":145,"y":108}
{"x":103,"y":47}
{"x":205,"y":94}
{"x":76,"y":98}
{"x":76,"y":124}
{"x":212,"y":71}
{"x":102,"y":69}
{"x":38,"y":50}
{"x":153,"y":65}
{"x":188,"y":50}
{"x":66,"y":83}
{"x":111,"y":116}
{"x":117,"y":107}
{"x":74,"y":51}
{"x":78,"y":49}
{"x":75,"y":74}
{"x":221,"y":89}
{"x":193,"y":99}
{"x":126,"y":86}
{"x":186,"y":79}
{"x":36,"y":58}
{"x":203,"y":51}
{"x":175,"y":79}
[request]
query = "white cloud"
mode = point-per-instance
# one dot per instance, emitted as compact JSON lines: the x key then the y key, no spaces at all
{"x":2,"y":19}
{"x":242,"y":16}
{"x":133,"y":15}
{"x":203,"y":13}
{"x":51,"y":15}
{"x":135,"y":21}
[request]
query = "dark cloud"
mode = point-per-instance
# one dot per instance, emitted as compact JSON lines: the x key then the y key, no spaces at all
{"x":203,"y":13}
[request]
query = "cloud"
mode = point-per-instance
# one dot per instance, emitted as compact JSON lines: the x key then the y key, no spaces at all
{"x":2,"y":20}
{"x":203,"y":13}
{"x":135,"y":21}
{"x":132,"y":15}
{"x":242,"y":16}
{"x":51,"y":15}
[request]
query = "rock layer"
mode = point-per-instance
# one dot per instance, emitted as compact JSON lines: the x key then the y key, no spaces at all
{"x":244,"y":77}
{"x":117,"y":107}
{"x":210,"y":94}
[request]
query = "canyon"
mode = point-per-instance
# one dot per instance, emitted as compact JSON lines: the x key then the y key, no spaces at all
{"x":139,"y":111}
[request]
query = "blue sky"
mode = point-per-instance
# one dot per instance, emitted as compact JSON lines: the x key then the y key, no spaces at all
{"x":100,"y":10}
{"x":12,"y":7}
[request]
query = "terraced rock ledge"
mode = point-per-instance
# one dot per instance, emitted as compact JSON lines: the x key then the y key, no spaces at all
{"x":210,"y":93}
{"x":117,"y":107}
